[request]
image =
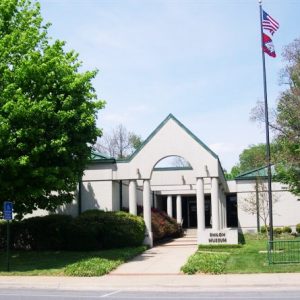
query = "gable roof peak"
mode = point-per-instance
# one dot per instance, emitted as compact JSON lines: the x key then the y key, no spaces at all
{"x":169,"y":117}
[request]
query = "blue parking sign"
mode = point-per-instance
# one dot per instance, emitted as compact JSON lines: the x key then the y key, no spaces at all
{"x":7,"y":210}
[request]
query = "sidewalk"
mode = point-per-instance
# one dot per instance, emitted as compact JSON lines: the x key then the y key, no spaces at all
{"x":236,"y":282}
{"x":166,"y":259}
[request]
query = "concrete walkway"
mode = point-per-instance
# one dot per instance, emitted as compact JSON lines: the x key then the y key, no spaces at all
{"x":166,"y":259}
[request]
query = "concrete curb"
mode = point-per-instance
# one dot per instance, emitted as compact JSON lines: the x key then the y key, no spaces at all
{"x":278,"y":281}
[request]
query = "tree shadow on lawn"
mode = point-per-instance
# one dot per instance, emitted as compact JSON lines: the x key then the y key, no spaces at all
{"x":54,"y":262}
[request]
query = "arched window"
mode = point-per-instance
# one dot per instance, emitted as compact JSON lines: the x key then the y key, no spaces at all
{"x":173,"y":162}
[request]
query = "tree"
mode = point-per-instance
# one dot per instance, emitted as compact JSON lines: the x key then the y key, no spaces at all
{"x":288,"y":120}
{"x":135,"y":141}
{"x":120,"y":143}
{"x":251,"y":158}
{"x":47,"y":112}
{"x":285,"y":120}
{"x":258,"y":202}
{"x":234,"y":172}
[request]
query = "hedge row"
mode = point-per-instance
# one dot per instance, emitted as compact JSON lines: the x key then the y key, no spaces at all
{"x":277,"y":230}
{"x":92,"y":230}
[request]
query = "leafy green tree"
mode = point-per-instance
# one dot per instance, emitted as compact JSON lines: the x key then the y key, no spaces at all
{"x":136,"y":141}
{"x":253,"y":157}
{"x":47,"y":112}
{"x":285,"y":120}
{"x":288,"y":120}
{"x":234,"y":172}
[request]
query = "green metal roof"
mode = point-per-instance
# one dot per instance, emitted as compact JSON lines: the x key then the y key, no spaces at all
{"x":97,"y":157}
{"x":260,"y":172}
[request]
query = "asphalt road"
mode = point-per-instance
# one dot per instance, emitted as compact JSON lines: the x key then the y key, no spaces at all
{"x":24,"y":294}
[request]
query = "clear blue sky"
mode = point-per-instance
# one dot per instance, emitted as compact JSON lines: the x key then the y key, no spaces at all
{"x":200,"y":60}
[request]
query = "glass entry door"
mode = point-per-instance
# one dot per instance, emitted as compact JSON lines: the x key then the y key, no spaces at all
{"x":192,"y":214}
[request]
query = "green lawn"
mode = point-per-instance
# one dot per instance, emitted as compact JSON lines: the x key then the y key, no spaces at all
{"x":64,"y":263}
{"x":245,"y":258}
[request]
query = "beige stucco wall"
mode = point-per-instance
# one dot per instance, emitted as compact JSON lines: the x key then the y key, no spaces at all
{"x":97,"y":194}
{"x":286,"y":206}
{"x":182,"y":182}
{"x":169,"y":141}
{"x":98,"y":172}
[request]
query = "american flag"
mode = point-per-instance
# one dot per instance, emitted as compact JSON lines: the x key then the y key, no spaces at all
{"x":269,"y":23}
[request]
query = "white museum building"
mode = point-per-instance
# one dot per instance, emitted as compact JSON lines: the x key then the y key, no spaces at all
{"x":194,"y":191}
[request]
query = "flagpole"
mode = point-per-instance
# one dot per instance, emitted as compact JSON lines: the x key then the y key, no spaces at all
{"x":268,"y":154}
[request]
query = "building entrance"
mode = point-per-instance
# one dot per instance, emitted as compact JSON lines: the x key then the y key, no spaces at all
{"x":192,"y":214}
{"x":189,"y":211}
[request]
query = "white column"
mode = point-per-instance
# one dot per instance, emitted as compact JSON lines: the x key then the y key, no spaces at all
{"x":169,"y":206}
{"x":220,"y":208}
{"x":154,"y":200}
{"x":178,"y":209}
{"x":222,"y":205}
{"x":200,"y":205}
{"x":215,"y":203}
{"x":225,"y":210}
{"x":132,"y":197}
{"x":147,"y":213}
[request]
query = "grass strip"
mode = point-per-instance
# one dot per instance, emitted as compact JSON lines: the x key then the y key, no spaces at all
{"x":250,"y":257}
{"x":67,"y":263}
{"x":206,"y":262}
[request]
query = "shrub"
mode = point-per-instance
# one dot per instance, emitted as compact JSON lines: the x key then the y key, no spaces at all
{"x":93,"y":230}
{"x":263,"y":229}
{"x":278,"y":230}
{"x":82,"y":235}
{"x":206,"y":262}
{"x":38,"y":233}
{"x":2,"y":234}
{"x":42,"y":233}
{"x":287,"y":229}
{"x":163,"y":226}
{"x":124,"y":229}
{"x":110,"y":229}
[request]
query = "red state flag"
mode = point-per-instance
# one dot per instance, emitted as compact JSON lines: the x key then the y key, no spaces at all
{"x":268,"y":46}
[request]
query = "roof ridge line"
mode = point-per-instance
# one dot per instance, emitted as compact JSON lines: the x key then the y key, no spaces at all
{"x":153,"y":133}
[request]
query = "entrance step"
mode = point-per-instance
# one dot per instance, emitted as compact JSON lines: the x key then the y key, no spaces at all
{"x":186,"y":240}
{"x":190,"y":232}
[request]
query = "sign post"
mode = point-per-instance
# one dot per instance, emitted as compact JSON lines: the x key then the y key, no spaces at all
{"x":7,"y":215}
